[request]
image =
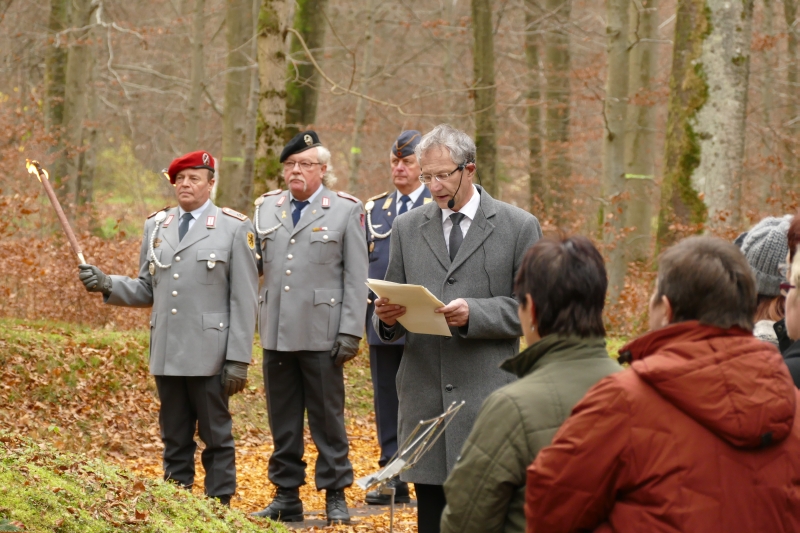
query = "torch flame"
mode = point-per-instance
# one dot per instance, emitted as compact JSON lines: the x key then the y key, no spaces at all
{"x":35,"y":168}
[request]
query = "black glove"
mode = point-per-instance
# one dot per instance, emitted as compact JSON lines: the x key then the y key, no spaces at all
{"x":94,"y":280}
{"x":345,"y":348}
{"x":234,"y":377}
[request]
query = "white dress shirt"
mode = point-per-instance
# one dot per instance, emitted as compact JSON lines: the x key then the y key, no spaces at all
{"x":309,"y":200}
{"x":469,"y":211}
{"x":414,"y":195}
{"x":195,"y":214}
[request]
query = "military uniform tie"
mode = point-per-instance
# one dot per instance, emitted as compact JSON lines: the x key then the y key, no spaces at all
{"x":404,"y":204}
{"x":298,"y":210}
{"x":456,"y":235}
{"x":184,"y":226}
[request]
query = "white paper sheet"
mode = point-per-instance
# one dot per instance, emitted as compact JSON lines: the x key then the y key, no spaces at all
{"x":419,"y":304}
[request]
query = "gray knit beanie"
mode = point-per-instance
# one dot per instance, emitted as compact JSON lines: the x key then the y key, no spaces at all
{"x":765,"y":248}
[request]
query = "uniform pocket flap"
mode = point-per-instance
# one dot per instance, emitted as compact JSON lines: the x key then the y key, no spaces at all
{"x":328,"y":296}
{"x":215,"y":321}
{"x":212,"y":255}
{"x":156,"y":254}
{"x":269,"y":236}
{"x":326,"y":236}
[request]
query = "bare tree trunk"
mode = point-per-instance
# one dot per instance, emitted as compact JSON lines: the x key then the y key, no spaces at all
{"x":198,"y":78}
{"x":537,"y":182}
{"x":640,"y":131}
{"x":55,"y":80}
{"x":79,"y":70}
{"x":232,"y":188}
{"x":252,"y":103}
{"x":790,"y":14}
{"x":557,"y":69}
{"x":615,"y":110}
{"x":272,"y":98}
{"x":87,"y":158}
{"x":767,"y":100}
{"x":302,"y":85}
{"x":485,"y":117}
{"x":361,"y":104}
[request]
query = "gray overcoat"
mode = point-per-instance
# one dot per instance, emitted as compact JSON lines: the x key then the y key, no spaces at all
{"x":204,"y":304}
{"x":315,"y":273}
{"x":436,"y":371}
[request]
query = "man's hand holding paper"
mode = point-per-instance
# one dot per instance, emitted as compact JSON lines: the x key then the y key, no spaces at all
{"x":456,"y":313}
{"x":388,"y":312}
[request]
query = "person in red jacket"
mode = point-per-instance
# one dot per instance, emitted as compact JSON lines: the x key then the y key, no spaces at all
{"x":699,"y":435}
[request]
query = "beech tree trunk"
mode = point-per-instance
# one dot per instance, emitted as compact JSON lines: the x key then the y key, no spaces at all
{"x":252,"y":105}
{"x":272,"y":96}
{"x":483,"y":71}
{"x":557,"y":69}
{"x":361,"y":104}
{"x":793,"y":108}
{"x":233,"y":189}
{"x":615,"y":111}
{"x":537,"y":182}
{"x":198,"y":78}
{"x":640,"y":132}
{"x":302,"y":83}
{"x":55,"y":81}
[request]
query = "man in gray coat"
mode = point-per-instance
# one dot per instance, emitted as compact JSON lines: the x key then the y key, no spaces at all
{"x":465,"y":247}
{"x":197,"y":270}
{"x":311,"y":319}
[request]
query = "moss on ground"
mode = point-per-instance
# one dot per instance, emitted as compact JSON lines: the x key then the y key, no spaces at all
{"x":47,"y":491}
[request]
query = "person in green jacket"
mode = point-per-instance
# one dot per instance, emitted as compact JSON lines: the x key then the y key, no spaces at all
{"x":561,"y":287}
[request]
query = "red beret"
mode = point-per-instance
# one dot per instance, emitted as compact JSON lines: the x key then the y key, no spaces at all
{"x":191,"y":160}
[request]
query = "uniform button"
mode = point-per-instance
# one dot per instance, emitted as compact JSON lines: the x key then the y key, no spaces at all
{"x":174,"y":311}
{"x":324,"y":237}
{"x":177,"y":258}
{"x":260,"y":298}
{"x":213,"y":256}
{"x":333,"y":300}
{"x":450,"y":281}
{"x":174,"y":293}
{"x":291,"y":241}
{"x":289,"y":256}
{"x":176,"y":276}
{"x":221,"y":325}
{"x":288,"y":272}
{"x":449,"y":388}
{"x":286,"y":288}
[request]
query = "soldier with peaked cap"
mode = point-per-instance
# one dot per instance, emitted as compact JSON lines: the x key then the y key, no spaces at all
{"x":197,"y":270}
{"x":311,"y":318}
{"x":385,"y":357}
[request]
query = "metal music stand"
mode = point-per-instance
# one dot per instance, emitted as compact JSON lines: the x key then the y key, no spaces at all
{"x":415,"y":446}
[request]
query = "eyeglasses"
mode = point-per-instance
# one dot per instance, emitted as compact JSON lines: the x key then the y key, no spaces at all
{"x":304,"y":165}
{"x":785,"y":288}
{"x":783,"y":269}
{"x":428,"y":178}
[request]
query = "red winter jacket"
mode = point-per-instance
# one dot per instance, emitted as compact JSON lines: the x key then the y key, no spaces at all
{"x":700,"y":435}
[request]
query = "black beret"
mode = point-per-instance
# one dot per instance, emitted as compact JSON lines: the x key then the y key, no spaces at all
{"x":405,"y":144}
{"x":300,"y":143}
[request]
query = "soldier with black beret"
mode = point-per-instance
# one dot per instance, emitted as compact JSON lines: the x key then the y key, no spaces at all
{"x":311,"y":319}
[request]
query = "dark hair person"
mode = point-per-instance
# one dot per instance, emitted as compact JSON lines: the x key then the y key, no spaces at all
{"x":561,"y":289}
{"x":790,"y":326}
{"x":699,"y":435}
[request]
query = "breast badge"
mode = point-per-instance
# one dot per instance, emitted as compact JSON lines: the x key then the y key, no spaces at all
{"x":152,"y":269}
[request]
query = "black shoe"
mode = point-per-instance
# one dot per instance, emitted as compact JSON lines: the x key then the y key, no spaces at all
{"x":223,"y":500}
{"x":336,"y":507}
{"x":374,"y":497}
{"x":285,"y":507}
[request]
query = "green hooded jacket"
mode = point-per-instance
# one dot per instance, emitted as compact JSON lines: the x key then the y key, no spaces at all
{"x":486,"y":490}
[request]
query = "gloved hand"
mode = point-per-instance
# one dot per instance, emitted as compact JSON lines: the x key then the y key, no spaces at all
{"x":345,"y":348}
{"x":234,"y":377}
{"x":94,"y":280}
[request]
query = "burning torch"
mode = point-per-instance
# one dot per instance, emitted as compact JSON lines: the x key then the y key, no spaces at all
{"x":34,"y":167}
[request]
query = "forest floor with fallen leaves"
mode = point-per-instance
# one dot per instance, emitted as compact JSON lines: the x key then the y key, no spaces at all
{"x":89,"y":392}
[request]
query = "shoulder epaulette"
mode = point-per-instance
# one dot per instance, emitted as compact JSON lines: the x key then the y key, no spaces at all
{"x":272,"y":193}
{"x":235,"y":214}
{"x":378,"y":196}
{"x":154,"y":213}
{"x":348,"y":196}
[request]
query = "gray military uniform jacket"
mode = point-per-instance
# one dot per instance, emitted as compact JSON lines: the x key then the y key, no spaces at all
{"x":315,"y":273}
{"x":204,"y":304}
{"x":436,"y":371}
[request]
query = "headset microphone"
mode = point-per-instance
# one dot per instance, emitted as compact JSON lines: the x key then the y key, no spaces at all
{"x":452,"y":201}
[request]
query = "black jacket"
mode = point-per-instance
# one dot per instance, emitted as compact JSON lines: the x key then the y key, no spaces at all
{"x":790,"y":351}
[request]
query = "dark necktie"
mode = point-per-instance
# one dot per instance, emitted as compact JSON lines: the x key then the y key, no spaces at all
{"x":456,"y":235}
{"x":184,"y":226}
{"x":404,"y":204}
{"x":298,"y":210}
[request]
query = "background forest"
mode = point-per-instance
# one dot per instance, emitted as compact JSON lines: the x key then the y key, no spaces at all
{"x":633,"y":121}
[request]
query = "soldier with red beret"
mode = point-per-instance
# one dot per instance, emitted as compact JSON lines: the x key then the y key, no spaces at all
{"x":197,"y":270}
